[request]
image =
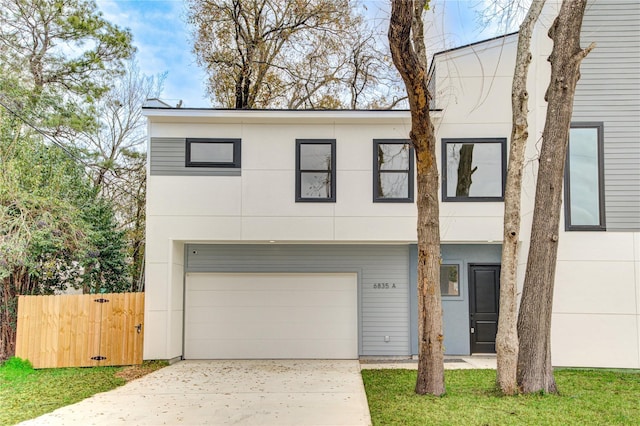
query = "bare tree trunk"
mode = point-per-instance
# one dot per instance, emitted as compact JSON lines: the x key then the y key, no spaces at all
{"x":535,"y":371}
{"x":8,"y":316}
{"x":465,"y":171}
{"x":381,"y":161}
{"x":507,"y":337}
{"x":406,"y":40}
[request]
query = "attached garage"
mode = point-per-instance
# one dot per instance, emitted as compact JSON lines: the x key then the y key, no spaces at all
{"x":271,"y":315}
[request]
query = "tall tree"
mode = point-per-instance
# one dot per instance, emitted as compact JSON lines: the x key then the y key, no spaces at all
{"x":133,"y":216}
{"x":507,"y":337}
{"x":121,"y":125}
{"x":288,"y":54}
{"x":65,"y":43}
{"x":105,"y":269}
{"x":406,"y":40}
{"x":55,"y":233}
{"x":115,"y":153}
{"x":43,"y":235}
{"x":61,"y":49}
{"x":56,"y":58}
{"x":534,"y":370}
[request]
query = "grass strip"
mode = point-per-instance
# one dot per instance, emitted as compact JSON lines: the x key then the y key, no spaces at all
{"x":600,"y":397}
{"x":26,"y":393}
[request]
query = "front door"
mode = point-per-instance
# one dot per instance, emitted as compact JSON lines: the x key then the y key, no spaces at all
{"x":484,"y":296}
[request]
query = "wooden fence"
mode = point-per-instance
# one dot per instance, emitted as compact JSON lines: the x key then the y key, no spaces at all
{"x":80,"y":330}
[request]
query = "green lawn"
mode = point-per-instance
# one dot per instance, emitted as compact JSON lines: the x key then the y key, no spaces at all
{"x":587,"y":397}
{"x":26,"y":393}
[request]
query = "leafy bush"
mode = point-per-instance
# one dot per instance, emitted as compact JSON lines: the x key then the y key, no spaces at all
{"x":15,"y":368}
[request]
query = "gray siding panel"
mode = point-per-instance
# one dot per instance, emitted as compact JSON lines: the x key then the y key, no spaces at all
{"x":383,"y":312}
{"x":609,"y":91}
{"x":167,"y":158}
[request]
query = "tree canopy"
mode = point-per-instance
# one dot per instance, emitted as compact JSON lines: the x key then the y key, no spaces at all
{"x":62,"y":53}
{"x":293,"y":54}
{"x":62,"y":44}
{"x":57,"y":59}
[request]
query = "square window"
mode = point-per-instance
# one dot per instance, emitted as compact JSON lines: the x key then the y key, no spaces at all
{"x":213,"y":153}
{"x":449,"y":280}
{"x":474,"y":169}
{"x":584,"y":187}
{"x":392,"y":171}
{"x":315,"y":170}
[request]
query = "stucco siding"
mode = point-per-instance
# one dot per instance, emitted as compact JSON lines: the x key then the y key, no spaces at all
{"x":258,"y":202}
{"x":473,"y":85}
{"x":163,"y":309}
{"x":596,"y":305}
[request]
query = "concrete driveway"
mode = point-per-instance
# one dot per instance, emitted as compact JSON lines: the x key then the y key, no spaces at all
{"x":247,"y":392}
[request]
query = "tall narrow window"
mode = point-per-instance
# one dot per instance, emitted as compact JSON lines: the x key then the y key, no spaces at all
{"x":449,"y":280}
{"x":213,"y":153}
{"x":474,"y":169}
{"x":392,"y":171}
{"x":584,"y":186}
{"x":316,"y":170}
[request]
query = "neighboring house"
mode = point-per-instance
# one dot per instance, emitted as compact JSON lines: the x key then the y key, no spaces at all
{"x":291,"y":234}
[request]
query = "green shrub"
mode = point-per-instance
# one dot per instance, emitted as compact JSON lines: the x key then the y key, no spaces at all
{"x":15,"y":368}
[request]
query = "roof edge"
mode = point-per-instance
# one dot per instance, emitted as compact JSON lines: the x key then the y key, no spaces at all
{"x":475,"y":43}
{"x":210,"y":115}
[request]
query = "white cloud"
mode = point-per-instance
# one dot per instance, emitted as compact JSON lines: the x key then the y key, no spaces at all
{"x":162,"y":39}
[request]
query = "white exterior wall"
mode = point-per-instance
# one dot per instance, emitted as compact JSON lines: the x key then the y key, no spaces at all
{"x":596,"y":316}
{"x":596,"y":312}
{"x":259,"y":205}
{"x":473,"y":87}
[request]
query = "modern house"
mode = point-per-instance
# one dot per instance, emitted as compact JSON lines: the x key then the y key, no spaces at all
{"x":292,"y":234}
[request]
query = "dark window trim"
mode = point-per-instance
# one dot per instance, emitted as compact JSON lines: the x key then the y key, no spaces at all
{"x":503,"y":145}
{"x":599,"y":125}
{"x":332,"y":143}
{"x":235,"y":164}
{"x":376,"y":198}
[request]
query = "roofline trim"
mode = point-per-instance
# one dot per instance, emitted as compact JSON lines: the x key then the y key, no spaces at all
{"x":228,"y":112}
{"x":474,"y":43}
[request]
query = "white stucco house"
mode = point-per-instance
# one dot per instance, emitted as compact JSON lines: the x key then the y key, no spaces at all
{"x":291,"y":234}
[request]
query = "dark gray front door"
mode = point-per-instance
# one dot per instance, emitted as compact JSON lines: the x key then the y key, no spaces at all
{"x":484,"y":295}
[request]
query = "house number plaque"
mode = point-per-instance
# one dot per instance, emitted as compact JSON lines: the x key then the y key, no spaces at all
{"x":383,"y":286}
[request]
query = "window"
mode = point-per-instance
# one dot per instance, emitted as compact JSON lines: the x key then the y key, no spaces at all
{"x":213,"y":153}
{"x":449,"y":280}
{"x":584,"y":188}
{"x":392,"y":171}
{"x":474,"y":169}
{"x":316,"y":170}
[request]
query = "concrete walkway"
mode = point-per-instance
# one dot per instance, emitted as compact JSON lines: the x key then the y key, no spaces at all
{"x":272,"y":392}
{"x":463,"y":362}
{"x":241,"y":392}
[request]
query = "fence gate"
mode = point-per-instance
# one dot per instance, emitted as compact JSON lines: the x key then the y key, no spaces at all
{"x":80,"y":330}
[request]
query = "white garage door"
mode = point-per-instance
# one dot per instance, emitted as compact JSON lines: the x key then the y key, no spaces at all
{"x":271,"y":316}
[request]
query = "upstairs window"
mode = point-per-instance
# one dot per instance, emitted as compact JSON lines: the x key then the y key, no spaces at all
{"x":583,"y":180}
{"x":316,"y":170}
{"x":474,"y":169}
{"x":213,"y":153}
{"x":392,"y":171}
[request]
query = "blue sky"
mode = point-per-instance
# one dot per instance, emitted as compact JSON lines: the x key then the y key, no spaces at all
{"x":162,"y":38}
